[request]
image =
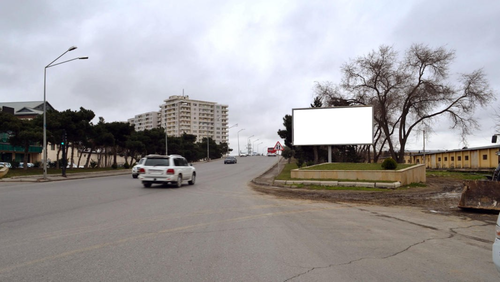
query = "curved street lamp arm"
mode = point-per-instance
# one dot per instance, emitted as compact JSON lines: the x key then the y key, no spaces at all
{"x":69,"y":49}
{"x":78,"y":58}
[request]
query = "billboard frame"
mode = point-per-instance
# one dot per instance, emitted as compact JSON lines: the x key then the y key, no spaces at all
{"x":363,"y":123}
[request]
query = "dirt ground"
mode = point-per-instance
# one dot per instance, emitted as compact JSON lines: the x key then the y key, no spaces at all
{"x":440,"y":196}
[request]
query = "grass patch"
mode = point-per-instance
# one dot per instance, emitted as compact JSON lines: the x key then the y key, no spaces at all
{"x":414,"y":185}
{"x":459,"y":175}
{"x":286,"y":172}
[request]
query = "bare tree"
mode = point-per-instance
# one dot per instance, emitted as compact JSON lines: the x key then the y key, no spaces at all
{"x":409,"y":91}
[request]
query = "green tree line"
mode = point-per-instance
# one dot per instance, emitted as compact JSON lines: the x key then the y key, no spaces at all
{"x":108,"y":139}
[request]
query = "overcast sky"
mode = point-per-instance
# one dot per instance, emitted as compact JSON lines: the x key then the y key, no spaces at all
{"x":261,"y":58}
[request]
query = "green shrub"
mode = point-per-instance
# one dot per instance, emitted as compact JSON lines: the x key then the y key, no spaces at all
{"x":126,"y":165}
{"x":389,"y":163}
{"x":114,"y":166}
{"x":300,"y":162}
{"x":309,"y":163}
{"x":93,"y":164}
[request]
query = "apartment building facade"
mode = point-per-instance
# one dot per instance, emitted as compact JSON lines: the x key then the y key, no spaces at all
{"x":145,"y":121}
{"x":179,"y":115}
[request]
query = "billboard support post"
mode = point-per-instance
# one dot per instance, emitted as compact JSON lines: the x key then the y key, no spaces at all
{"x":329,"y":153}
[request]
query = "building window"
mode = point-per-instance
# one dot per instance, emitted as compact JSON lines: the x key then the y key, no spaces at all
{"x":452,"y":158}
{"x":459,"y":158}
{"x":466,"y":158}
{"x":439,"y":159}
{"x":485,"y":157}
{"x":445,"y":159}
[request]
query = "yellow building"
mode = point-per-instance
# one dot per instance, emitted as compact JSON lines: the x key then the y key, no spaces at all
{"x":466,"y":158}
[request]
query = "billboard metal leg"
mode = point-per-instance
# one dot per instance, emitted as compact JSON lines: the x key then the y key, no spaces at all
{"x":330,"y":154}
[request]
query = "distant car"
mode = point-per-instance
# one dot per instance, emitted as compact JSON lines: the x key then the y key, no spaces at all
{"x":21,"y":165}
{"x":73,"y":165}
{"x":243,"y":155}
{"x":172,"y":169}
{"x":135,"y":168}
{"x":496,"y":245}
{"x":230,"y":160}
{"x":271,"y":154}
{"x":5,"y":164}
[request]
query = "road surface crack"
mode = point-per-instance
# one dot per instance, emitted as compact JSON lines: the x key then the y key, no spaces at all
{"x":372,"y":258}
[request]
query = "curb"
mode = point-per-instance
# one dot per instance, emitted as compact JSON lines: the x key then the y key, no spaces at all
{"x":71,"y":176}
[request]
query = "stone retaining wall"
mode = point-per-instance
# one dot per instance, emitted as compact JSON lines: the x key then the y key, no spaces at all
{"x":414,"y":174}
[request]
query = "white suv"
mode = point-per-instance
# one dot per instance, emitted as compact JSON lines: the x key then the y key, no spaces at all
{"x":173,"y":169}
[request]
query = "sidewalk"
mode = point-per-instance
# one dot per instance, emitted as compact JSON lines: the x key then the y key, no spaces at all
{"x":69,"y":176}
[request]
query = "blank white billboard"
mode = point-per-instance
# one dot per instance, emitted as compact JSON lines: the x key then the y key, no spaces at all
{"x":332,"y":126}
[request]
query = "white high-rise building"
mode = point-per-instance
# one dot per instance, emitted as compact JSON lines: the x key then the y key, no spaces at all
{"x":179,"y":115}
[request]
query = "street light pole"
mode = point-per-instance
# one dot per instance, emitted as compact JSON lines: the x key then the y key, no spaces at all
{"x":238,"y":134}
{"x":236,"y":125}
{"x":166,"y":139}
{"x":253,"y":147}
{"x":45,"y":103}
{"x":208,"y":147}
{"x":258,"y":147}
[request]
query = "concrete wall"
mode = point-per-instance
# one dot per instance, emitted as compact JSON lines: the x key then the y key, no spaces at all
{"x":414,"y":174}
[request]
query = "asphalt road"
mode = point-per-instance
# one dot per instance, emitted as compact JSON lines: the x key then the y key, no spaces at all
{"x":113,"y":229}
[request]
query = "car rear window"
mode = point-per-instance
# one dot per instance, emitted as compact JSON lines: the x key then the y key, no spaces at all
{"x":156,"y":162}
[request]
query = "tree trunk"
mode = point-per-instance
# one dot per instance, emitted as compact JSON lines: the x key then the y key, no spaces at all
{"x":80,"y":158}
{"x":87,"y":162}
{"x":57,"y":157}
{"x":72,"y":154}
{"x":115,"y":153}
{"x":25,"y":157}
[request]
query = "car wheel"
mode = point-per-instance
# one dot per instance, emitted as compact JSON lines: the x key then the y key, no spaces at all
{"x":178,"y":183}
{"x":134,"y":175}
{"x":193,"y":179}
{"x":146,"y":184}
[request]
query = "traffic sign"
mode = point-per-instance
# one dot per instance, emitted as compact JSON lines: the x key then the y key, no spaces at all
{"x":278,"y":146}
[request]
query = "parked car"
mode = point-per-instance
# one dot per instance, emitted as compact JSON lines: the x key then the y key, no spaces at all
{"x":230,"y":160}
{"x":172,"y":169}
{"x":496,"y":245}
{"x":21,"y":165}
{"x":73,"y":165}
{"x":135,"y":168}
{"x":271,"y":154}
{"x":5,"y":164}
